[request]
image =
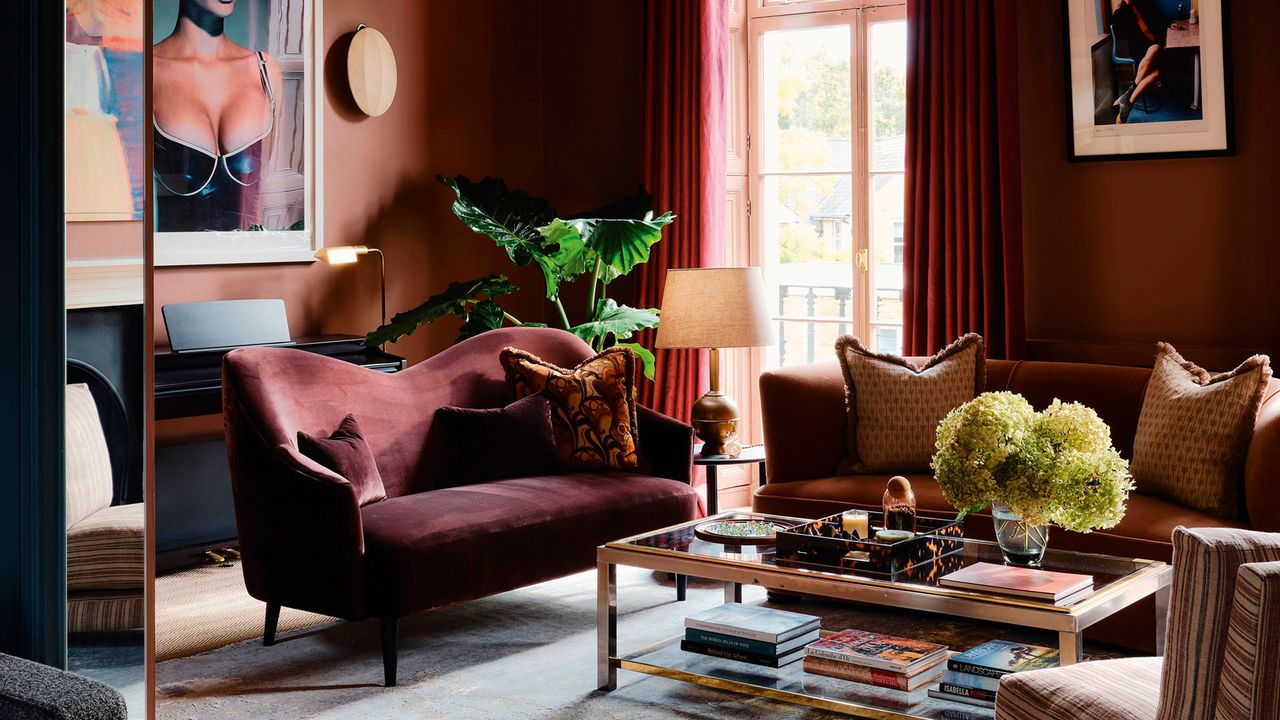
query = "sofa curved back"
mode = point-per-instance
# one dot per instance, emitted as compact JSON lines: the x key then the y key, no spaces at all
{"x":283,"y":391}
{"x":804,"y":417}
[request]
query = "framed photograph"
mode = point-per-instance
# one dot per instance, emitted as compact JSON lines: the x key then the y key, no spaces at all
{"x":236,"y":131}
{"x":1147,"y":79}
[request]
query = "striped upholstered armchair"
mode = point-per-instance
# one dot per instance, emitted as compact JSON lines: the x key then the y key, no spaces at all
{"x":1222,"y":656}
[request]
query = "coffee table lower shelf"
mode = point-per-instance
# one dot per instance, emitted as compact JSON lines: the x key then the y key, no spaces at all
{"x":793,"y":685}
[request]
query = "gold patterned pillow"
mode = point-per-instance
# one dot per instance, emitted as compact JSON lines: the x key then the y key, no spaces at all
{"x":593,"y":408}
{"x":893,"y":405}
{"x":1194,"y":431}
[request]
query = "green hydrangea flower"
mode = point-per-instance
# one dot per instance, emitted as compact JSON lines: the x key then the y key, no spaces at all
{"x":1057,"y":466}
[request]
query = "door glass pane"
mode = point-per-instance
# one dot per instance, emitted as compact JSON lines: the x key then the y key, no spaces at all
{"x":886,"y":208}
{"x":803,"y":342}
{"x":888,"y":55}
{"x":805,"y":100}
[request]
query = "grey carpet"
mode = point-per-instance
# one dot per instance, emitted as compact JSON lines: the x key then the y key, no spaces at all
{"x":529,"y":653}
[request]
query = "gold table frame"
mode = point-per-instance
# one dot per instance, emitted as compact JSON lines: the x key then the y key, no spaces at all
{"x":1149,"y":578}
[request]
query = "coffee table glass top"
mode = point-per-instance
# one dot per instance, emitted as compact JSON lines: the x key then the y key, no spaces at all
{"x":679,"y":541}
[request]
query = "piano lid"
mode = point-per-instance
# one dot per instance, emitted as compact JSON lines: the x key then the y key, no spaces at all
{"x":225,"y":324}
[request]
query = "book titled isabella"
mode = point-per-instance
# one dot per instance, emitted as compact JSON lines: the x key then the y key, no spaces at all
{"x":871,"y":676}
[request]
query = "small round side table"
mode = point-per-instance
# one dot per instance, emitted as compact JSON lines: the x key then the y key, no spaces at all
{"x":750,"y":454}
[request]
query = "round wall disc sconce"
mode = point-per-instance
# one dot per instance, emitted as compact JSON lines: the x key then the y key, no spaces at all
{"x":371,"y":71}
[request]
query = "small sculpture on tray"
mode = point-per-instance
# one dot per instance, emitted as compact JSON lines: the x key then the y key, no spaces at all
{"x":899,"y":505}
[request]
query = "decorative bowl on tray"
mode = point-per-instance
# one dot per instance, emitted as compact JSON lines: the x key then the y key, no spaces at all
{"x":740,"y":530}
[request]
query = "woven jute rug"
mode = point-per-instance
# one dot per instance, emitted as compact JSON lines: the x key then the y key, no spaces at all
{"x":206,"y":608}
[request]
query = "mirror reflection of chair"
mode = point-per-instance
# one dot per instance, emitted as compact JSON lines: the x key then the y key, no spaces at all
{"x":106,"y":552}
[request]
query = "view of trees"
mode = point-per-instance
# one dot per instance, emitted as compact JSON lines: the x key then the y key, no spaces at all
{"x":814,"y":120}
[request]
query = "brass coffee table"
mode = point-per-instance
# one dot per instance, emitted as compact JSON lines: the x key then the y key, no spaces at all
{"x":1118,"y":583}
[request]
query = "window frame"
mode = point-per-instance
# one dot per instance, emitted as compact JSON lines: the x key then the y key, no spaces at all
{"x":765,"y":16}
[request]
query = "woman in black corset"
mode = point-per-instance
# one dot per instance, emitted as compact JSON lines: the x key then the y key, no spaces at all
{"x":213,"y":110}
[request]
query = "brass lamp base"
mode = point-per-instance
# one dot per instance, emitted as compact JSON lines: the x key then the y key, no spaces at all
{"x":715,"y":423}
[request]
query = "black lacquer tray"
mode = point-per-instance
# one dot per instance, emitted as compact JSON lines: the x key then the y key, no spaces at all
{"x":823,"y":543}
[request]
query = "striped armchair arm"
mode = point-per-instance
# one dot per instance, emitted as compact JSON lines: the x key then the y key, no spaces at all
{"x":1250,"y":685}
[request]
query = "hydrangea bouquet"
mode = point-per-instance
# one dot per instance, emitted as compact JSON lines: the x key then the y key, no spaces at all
{"x":1057,"y":466}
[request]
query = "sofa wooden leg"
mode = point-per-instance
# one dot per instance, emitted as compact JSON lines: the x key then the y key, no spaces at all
{"x":390,"y":649}
{"x":682,"y":585}
{"x":269,"y":626}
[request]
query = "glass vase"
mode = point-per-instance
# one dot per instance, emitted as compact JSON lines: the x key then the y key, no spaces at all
{"x":1021,"y":543}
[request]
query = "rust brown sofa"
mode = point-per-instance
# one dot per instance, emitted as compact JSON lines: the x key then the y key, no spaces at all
{"x":804,"y":433}
{"x":307,"y":544}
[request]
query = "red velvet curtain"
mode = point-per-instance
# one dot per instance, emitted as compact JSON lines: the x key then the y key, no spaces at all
{"x":686,"y":52}
{"x":963,"y":234}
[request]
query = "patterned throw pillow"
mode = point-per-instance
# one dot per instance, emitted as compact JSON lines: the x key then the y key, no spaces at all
{"x":593,"y":409}
{"x":1194,"y":431}
{"x":894,"y":406}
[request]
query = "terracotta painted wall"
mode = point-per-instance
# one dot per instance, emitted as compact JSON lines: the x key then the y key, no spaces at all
{"x":478,"y":94}
{"x":1122,"y":254}
{"x":97,"y":240}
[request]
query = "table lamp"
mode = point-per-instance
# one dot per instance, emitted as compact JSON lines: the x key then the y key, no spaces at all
{"x":715,"y":308}
{"x":347,"y":254}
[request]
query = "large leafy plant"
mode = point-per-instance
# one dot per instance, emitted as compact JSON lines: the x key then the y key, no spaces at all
{"x":599,"y":247}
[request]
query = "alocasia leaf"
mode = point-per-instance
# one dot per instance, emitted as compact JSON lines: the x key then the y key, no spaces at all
{"x":511,"y":218}
{"x":642,"y":352}
{"x":454,"y":300}
{"x":481,"y":317}
{"x":621,"y":321}
{"x":622,"y":243}
{"x":569,"y":257}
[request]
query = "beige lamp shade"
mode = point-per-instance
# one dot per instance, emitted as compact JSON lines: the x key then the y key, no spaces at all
{"x":714,"y":308}
{"x":371,"y":70}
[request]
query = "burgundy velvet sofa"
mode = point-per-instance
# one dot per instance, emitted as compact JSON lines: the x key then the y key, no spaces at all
{"x":306,"y":543}
{"x":803,"y":411}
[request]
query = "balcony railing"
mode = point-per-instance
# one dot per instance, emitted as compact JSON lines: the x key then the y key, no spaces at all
{"x":836,"y":295}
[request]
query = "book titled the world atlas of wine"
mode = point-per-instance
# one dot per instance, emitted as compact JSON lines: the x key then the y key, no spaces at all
{"x":1044,"y":585}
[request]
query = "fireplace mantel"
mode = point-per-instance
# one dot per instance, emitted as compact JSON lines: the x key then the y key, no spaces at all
{"x":104,"y":282}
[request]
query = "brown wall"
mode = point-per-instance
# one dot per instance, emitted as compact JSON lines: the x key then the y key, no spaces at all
{"x":97,"y":240}
{"x":1122,"y":254}
{"x":480,"y":92}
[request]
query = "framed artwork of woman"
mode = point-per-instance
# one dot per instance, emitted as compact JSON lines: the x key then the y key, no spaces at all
{"x":235,"y":127}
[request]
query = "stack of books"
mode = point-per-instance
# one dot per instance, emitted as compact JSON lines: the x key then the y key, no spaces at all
{"x":1059,"y":588}
{"x":973,"y":676}
{"x":749,"y":634}
{"x":876,"y":659}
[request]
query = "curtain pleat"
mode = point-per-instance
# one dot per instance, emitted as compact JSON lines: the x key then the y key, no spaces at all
{"x":963,"y":236}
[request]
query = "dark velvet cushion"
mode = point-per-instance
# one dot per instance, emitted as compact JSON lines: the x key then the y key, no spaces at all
{"x":492,"y":444}
{"x":346,"y":453}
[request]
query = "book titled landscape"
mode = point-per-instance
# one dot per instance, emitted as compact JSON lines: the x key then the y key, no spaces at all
{"x":969,"y":680}
{"x":753,"y":623}
{"x":871,"y":676}
{"x":997,"y":658}
{"x":877,"y":650}
{"x":1023,"y":582}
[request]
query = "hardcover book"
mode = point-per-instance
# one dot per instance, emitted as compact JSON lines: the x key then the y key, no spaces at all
{"x":998,"y":658}
{"x":871,"y":676}
{"x":969,"y":680}
{"x":740,"y":656}
{"x":939,"y":695}
{"x":1022,"y":582}
{"x":878,"y":650}
{"x":731,"y":642}
{"x":753,"y":623}
{"x":968,"y":692}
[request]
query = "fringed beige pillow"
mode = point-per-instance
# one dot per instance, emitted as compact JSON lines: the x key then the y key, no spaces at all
{"x":893,"y":405}
{"x":1194,"y":431}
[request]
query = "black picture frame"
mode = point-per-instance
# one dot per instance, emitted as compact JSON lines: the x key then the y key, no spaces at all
{"x":1229,"y":148}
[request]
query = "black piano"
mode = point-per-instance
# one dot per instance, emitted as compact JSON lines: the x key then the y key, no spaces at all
{"x":193,"y":504}
{"x":190,"y":383}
